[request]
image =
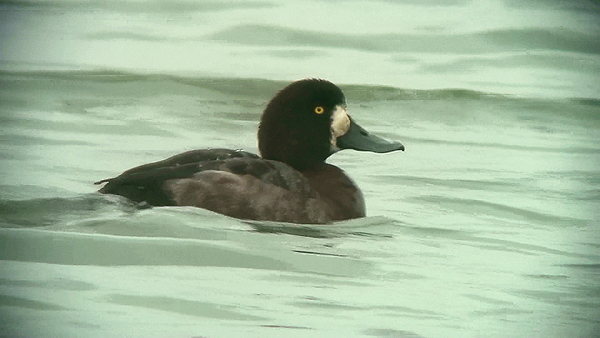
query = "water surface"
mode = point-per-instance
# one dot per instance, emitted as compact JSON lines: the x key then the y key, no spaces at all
{"x":486,"y":226}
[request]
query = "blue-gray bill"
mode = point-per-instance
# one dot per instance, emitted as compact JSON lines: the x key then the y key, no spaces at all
{"x":358,"y":138}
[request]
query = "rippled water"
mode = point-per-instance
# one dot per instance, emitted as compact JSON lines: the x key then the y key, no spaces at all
{"x":487,"y":226}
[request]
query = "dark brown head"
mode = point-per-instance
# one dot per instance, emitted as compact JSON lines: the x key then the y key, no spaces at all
{"x":307,"y":121}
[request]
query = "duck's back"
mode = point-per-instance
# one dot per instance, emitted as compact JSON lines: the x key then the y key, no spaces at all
{"x":144,"y":183}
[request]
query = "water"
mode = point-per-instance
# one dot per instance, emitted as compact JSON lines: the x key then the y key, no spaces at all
{"x":487,"y":226}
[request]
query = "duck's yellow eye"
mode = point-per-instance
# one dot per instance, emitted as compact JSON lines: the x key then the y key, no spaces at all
{"x":319,"y":110}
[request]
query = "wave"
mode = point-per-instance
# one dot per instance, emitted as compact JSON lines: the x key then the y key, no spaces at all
{"x":145,"y":6}
{"x":67,"y":248}
{"x":503,"y":211}
{"x":116,"y":216}
{"x":43,"y":212}
{"x":364,"y":227}
{"x":162,"y":83}
{"x":104,"y":230}
{"x":485,"y":42}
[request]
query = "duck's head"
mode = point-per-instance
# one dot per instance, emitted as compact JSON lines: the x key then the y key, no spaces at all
{"x":307,"y":121}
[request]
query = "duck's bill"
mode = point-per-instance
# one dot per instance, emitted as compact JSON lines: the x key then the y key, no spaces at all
{"x":358,"y":138}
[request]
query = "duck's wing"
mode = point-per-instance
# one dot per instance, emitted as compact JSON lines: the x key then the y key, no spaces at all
{"x":233,"y":183}
{"x":145,"y":183}
{"x":250,"y":188}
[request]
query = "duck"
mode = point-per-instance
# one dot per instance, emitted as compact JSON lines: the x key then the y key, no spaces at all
{"x":301,"y":127}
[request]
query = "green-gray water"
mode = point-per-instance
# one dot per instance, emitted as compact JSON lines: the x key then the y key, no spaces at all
{"x":487,"y":226}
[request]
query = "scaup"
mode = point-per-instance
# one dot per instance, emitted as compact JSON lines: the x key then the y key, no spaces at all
{"x":300,"y":128}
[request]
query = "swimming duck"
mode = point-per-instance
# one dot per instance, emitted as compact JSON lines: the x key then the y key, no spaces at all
{"x":300,"y":128}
